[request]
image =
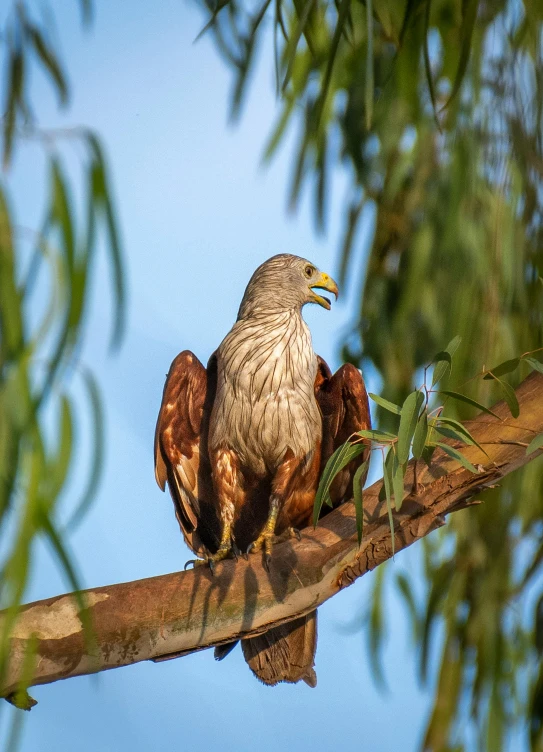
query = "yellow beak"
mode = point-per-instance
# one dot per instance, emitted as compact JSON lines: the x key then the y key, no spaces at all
{"x":324,"y":283}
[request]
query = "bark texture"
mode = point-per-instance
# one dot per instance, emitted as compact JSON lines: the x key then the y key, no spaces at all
{"x":174,"y":614}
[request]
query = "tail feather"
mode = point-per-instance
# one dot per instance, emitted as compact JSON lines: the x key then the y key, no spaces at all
{"x":285,"y":653}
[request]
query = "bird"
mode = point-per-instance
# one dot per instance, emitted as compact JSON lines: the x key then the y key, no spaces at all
{"x":241,"y":443}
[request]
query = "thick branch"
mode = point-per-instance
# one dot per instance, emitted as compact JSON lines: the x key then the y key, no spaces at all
{"x":161,"y":617}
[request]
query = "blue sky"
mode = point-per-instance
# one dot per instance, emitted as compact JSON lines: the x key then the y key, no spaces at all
{"x":198,"y":213}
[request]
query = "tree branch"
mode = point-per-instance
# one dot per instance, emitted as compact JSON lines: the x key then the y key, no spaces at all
{"x":168,"y":616}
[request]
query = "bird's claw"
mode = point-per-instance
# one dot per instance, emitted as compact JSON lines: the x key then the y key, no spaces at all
{"x":266,"y":561}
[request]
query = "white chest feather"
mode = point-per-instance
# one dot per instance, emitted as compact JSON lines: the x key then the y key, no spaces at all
{"x":265,"y":401}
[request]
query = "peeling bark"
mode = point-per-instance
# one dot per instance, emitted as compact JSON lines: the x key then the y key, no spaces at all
{"x":175,"y":614}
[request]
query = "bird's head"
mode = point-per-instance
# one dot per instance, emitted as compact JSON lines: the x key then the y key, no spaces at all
{"x":285,"y":282}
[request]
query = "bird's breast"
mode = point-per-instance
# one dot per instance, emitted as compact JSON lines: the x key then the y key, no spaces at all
{"x":265,"y":401}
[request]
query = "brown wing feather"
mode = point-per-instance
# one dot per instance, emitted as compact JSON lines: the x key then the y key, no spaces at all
{"x":343,"y":401}
{"x":181,"y":459}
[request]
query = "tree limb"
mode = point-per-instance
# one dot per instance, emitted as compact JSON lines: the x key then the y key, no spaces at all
{"x":174,"y":614}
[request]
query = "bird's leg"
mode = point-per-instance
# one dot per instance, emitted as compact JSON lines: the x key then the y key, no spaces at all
{"x":264,"y":542}
{"x":285,"y":478}
{"x":227,"y":480}
{"x":224,"y":551}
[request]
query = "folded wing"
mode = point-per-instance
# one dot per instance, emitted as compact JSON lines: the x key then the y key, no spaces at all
{"x":181,"y":459}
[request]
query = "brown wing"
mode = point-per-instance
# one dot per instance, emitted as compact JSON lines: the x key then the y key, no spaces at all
{"x":343,"y":401}
{"x":181,"y":459}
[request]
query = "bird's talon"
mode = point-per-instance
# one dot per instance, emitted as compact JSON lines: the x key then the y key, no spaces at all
{"x":267,"y":562}
{"x":250,"y":547}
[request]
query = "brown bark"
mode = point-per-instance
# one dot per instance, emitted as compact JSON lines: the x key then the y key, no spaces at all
{"x":174,"y":614}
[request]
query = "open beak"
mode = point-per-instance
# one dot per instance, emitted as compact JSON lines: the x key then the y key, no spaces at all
{"x":324,"y":282}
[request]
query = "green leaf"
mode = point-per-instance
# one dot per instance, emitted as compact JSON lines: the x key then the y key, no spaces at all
{"x":536,"y":443}
{"x":468,"y":401}
{"x":428,"y":453}
{"x":444,"y":359}
{"x":509,"y":396}
{"x":101,"y":196}
{"x":469,"y":17}
{"x":292,"y":46}
{"x":97,"y":433}
{"x":421,"y":432}
{"x":59,"y":468}
{"x":444,"y":364}
{"x":406,"y":590}
{"x":408,"y":423}
{"x":390,"y":406}
{"x":461,"y":429}
{"x":398,"y":475}
{"x":458,"y":456}
{"x":381,"y":436}
{"x":357,"y":497}
{"x":387,"y":479}
{"x":16,"y":77}
{"x":506,"y":367}
{"x":339,"y":459}
{"x":427,"y":65}
{"x":535,"y":364}
{"x":369,"y":84}
{"x":343,"y":12}
{"x":49,"y":61}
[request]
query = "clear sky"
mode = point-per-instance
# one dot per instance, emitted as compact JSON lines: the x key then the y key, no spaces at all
{"x":198,"y":213}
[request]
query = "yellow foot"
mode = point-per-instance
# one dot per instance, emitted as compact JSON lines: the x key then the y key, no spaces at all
{"x":264,"y":543}
{"x":224,"y":552}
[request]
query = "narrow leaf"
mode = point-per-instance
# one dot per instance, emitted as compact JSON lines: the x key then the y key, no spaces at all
{"x":469,"y":17}
{"x":408,"y":423}
{"x":390,"y":406}
{"x":382,"y":436}
{"x":536,"y":443}
{"x":398,"y":474}
{"x":509,"y":396}
{"x":421,"y":432}
{"x":443,"y":362}
{"x":369,"y":88}
{"x":506,"y":367}
{"x":49,"y":61}
{"x":535,"y":364}
{"x":468,"y":401}
{"x":339,"y":459}
{"x":95,"y":472}
{"x":458,"y":456}
{"x":387,"y":478}
{"x":460,"y":428}
{"x":357,"y":497}
{"x":427,"y":65}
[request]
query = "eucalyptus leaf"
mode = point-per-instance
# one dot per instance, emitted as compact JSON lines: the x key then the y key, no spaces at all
{"x":339,"y":459}
{"x":357,"y":497}
{"x":386,"y":404}
{"x":455,"y":454}
{"x":508,"y":366}
{"x":535,"y":364}
{"x":462,"y":398}
{"x":535,"y":443}
{"x":408,"y":423}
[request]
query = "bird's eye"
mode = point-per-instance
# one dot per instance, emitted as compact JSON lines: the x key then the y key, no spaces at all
{"x":309,"y":271}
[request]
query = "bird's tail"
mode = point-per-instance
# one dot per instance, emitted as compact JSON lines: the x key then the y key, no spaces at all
{"x":285,"y":653}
